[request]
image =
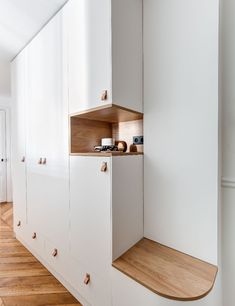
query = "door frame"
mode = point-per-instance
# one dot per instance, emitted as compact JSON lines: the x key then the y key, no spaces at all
{"x":5,"y":106}
{"x":3,"y":198}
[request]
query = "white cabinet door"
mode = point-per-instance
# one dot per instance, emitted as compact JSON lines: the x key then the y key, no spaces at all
{"x":47,"y":135}
{"x":91,"y":212}
{"x":89,"y":52}
{"x":18,"y":138}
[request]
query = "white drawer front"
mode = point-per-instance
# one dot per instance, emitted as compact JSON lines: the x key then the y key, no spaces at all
{"x":98,"y":290}
{"x":35,"y":241}
{"x":57,"y":259}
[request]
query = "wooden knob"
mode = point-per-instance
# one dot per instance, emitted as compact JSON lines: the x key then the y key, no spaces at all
{"x":34,"y":236}
{"x":87,"y":279}
{"x":55,"y":253}
{"x":104,"y":167}
{"x":44,"y":161}
{"x":19,"y":223}
{"x":23,"y":159}
{"x":104,"y":95}
{"x":40,"y":161}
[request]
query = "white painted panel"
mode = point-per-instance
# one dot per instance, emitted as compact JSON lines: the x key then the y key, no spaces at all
{"x":98,"y":291}
{"x":90,"y":204}
{"x":228,"y":89}
{"x":181,"y":124}
{"x":89,"y":43}
{"x":18,"y":138}
{"x":127,"y":53}
{"x":228,"y":147}
{"x":47,"y":136}
{"x":127,"y":292}
{"x":127,"y":202}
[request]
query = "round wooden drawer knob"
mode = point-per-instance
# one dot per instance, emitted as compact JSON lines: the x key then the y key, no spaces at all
{"x":87,"y":279}
{"x":19,"y":223}
{"x":34,"y":236}
{"x":55,"y":253}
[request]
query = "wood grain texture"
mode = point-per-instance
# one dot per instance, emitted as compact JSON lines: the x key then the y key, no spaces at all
{"x":24,"y":281}
{"x":110,"y":113}
{"x":85,"y":134}
{"x":167,"y":272}
{"x":106,"y":154}
{"x":6,"y":212}
{"x":88,"y":128}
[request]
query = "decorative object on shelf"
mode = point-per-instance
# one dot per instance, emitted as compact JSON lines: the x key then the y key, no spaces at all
{"x":121,"y":145}
{"x":107,"y":142}
{"x":133,"y":148}
{"x":40,"y":161}
{"x":105,"y":148}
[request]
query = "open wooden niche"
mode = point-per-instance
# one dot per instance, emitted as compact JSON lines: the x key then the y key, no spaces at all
{"x":112,"y":121}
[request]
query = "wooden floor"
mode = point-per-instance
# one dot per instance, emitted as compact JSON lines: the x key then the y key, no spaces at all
{"x":23,"y":280}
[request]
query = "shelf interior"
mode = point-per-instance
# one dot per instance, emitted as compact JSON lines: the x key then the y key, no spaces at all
{"x":88,"y":128}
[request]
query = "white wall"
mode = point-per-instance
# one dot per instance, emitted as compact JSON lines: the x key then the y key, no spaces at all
{"x":228,"y":146}
{"x":5,"y":81}
{"x":181,"y":125}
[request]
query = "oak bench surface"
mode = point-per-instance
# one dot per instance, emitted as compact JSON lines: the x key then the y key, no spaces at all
{"x":167,"y":272}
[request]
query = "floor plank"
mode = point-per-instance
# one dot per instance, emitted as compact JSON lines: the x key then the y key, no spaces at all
{"x":60,"y":299}
{"x":24,"y":281}
{"x":6,"y":211}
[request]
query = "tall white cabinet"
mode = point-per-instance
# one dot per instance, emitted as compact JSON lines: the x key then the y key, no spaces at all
{"x":47,"y":135}
{"x":105,"y":53}
{"x":19,"y":82}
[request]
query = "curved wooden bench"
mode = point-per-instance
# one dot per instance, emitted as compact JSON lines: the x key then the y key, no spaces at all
{"x":167,"y":272}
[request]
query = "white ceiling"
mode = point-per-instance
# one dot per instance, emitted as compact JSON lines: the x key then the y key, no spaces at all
{"x":20,"y":20}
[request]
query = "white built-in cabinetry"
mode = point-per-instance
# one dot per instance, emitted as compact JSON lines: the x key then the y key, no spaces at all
{"x":105,"y":53}
{"x":19,"y":139}
{"x":77,"y":213}
{"x":47,"y":136}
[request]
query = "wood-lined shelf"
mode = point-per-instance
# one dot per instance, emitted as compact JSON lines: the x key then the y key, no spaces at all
{"x":110,"y":121}
{"x":107,"y":154}
{"x":167,"y":272}
{"x":110,"y":113}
